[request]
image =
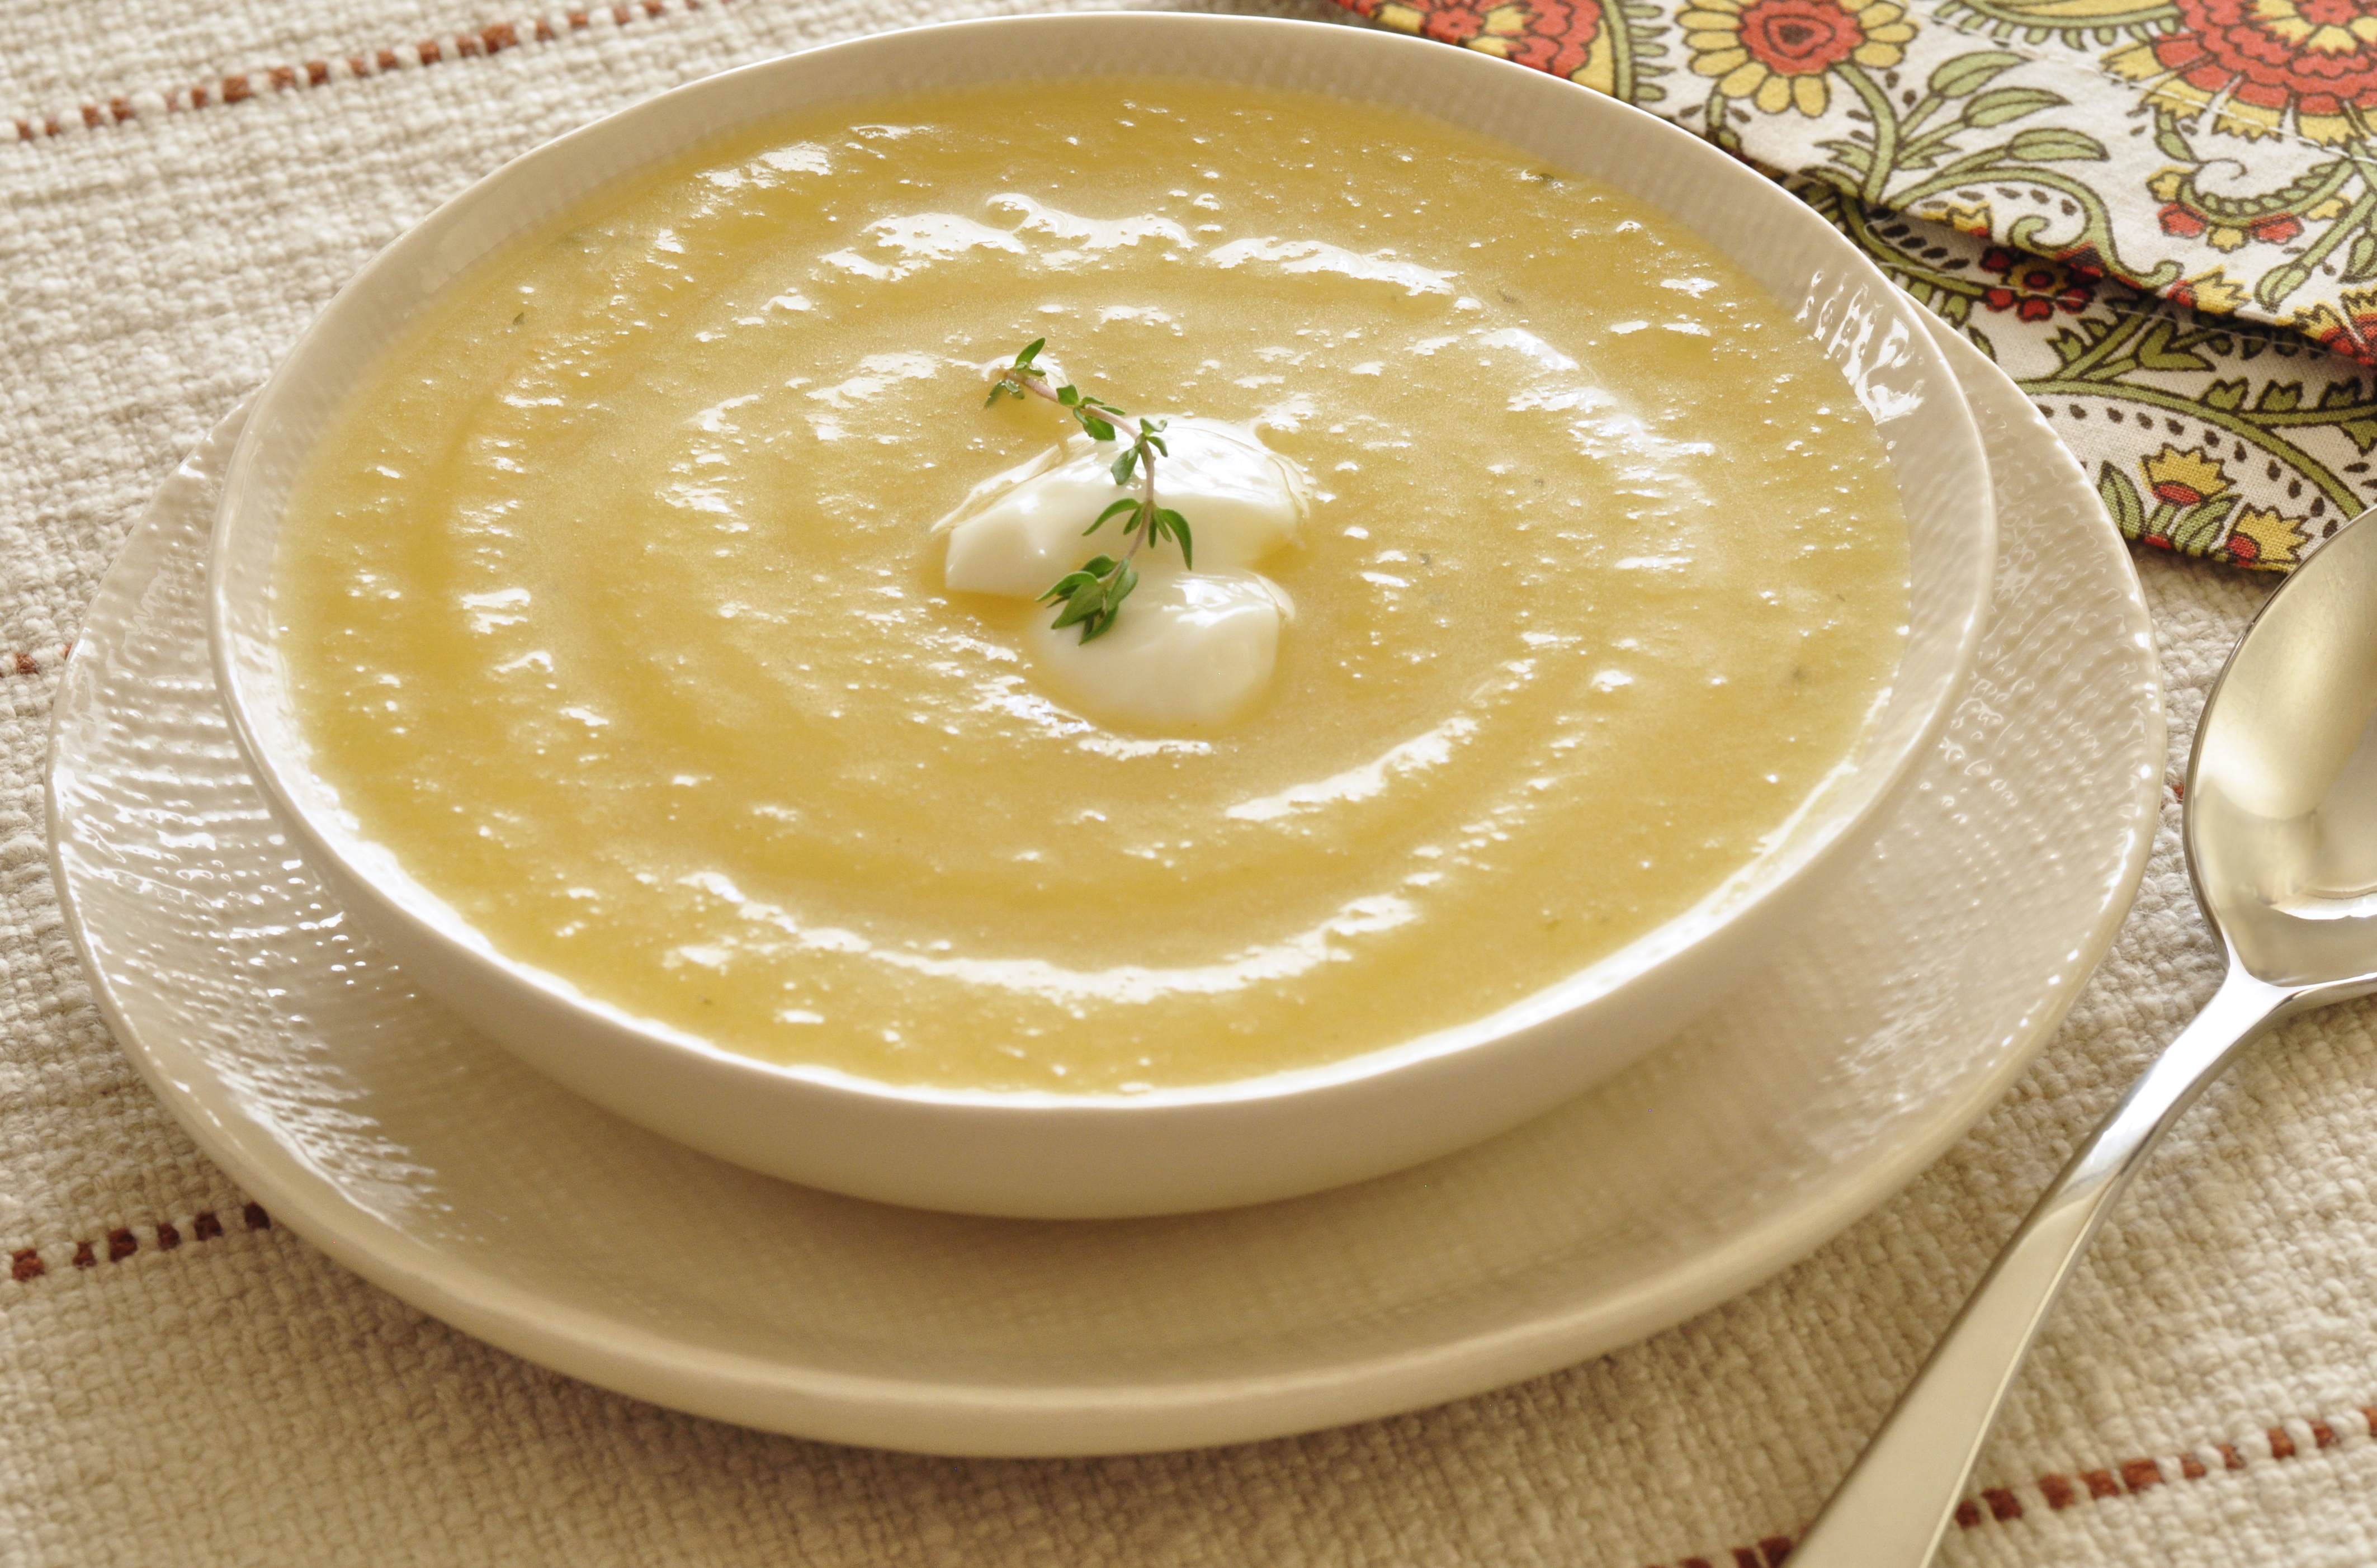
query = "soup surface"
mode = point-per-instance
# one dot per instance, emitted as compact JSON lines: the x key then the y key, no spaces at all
{"x":612,"y":607}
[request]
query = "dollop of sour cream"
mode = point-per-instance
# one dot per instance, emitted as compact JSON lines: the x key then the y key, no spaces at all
{"x":1191,"y":648}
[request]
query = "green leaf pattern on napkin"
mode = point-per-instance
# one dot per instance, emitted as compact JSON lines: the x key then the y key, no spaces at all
{"x":2205,"y":435}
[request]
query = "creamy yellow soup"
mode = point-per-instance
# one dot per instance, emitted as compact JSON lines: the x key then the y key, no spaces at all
{"x":612,"y":605}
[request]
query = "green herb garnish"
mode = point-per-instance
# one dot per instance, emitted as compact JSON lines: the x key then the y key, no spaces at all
{"x":1090,"y":595}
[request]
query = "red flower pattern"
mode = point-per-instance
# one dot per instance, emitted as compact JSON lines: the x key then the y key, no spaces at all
{"x":2279,"y":228}
{"x":2033,"y":290}
{"x":1548,"y":35}
{"x":1799,"y":38}
{"x":2317,"y":58}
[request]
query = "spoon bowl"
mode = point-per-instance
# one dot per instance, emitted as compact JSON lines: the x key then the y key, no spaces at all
{"x":2282,"y":790}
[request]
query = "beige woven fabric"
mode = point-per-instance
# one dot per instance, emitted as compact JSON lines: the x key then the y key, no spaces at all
{"x":183,"y":1383}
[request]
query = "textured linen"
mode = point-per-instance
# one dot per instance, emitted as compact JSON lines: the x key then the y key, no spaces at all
{"x":182,"y":1380}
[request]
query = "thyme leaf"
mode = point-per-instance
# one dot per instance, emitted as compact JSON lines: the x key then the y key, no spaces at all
{"x":1090,"y":595}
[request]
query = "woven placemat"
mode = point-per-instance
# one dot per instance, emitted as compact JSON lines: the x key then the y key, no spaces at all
{"x":183,"y":1380}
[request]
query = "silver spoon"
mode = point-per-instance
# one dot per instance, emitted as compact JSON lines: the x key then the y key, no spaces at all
{"x":2281,"y":814}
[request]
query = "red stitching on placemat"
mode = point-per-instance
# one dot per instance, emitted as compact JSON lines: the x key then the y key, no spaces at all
{"x":2003,"y":1505}
{"x":1998,"y":1505}
{"x":492,"y":39}
{"x":33,"y":662}
{"x":27,"y":1264}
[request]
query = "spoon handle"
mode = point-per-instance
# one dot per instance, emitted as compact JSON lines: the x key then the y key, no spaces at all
{"x":1895,"y":1505}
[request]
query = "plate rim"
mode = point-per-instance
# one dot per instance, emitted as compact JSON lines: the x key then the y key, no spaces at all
{"x":1081,"y":1419}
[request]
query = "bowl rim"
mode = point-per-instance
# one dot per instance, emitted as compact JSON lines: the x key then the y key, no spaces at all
{"x":428,"y":919}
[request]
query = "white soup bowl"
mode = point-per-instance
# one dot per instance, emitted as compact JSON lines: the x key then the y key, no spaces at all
{"x":1046,"y":1154}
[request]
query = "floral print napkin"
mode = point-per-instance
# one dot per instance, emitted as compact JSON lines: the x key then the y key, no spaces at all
{"x":2206,"y":435}
{"x":2161,"y":218}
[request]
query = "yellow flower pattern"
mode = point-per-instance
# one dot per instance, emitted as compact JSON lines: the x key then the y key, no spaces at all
{"x":2276,"y":540}
{"x":1781,"y":54}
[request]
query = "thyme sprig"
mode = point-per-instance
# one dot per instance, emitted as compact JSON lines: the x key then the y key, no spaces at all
{"x":1090,"y":595}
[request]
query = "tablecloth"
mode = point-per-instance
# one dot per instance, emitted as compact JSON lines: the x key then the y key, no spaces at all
{"x":182,"y":1380}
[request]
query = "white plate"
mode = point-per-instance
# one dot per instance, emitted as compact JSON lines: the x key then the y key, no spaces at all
{"x":436,"y":1164}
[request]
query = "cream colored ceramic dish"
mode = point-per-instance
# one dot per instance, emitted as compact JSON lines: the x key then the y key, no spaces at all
{"x":611,"y":604}
{"x":378,"y":1126}
{"x":1033,"y":1151}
